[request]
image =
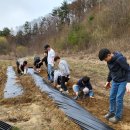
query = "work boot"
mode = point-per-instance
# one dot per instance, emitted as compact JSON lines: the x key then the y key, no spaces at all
{"x":109,"y":115}
{"x":114,"y":120}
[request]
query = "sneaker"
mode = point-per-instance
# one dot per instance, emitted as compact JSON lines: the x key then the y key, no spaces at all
{"x":92,"y":97}
{"x":114,"y":120}
{"x":76,"y":98}
{"x":109,"y":115}
{"x":65,"y":92}
{"x":61,"y":90}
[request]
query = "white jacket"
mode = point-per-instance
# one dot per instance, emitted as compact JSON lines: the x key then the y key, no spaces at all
{"x":64,"y":68}
{"x":50,"y":58}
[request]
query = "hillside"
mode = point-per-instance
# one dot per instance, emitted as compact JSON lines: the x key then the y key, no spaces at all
{"x":79,"y":25}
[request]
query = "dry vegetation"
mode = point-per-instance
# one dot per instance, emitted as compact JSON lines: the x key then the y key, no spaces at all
{"x":82,"y":64}
{"x":33,"y":110}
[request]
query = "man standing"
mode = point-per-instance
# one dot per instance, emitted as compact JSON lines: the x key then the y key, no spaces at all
{"x":50,"y":60}
{"x":119,"y":71}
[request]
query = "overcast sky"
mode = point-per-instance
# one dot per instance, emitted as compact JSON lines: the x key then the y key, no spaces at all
{"x":15,"y":12}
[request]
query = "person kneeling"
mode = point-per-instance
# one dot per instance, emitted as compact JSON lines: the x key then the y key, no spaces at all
{"x":83,"y":85}
{"x":37,"y":64}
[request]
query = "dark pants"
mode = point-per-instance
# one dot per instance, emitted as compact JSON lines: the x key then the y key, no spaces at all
{"x":63,"y":80}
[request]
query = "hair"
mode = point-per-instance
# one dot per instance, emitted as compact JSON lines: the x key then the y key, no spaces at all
{"x":46,"y":52}
{"x":46,"y":46}
{"x":85,"y":79}
{"x":25,"y":62}
{"x":103,"y":53}
{"x":56,"y":58}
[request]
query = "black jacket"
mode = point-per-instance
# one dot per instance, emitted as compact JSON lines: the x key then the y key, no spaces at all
{"x":119,"y":68}
{"x":82,"y":86}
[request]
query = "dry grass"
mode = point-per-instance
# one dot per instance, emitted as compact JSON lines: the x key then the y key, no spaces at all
{"x":34,"y":110}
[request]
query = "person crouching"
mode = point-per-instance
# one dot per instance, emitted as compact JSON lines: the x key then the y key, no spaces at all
{"x":65,"y":72}
{"x":83,"y":85}
{"x":22,"y":68}
{"x":57,"y":79}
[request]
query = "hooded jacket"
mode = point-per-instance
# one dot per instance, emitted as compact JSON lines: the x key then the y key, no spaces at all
{"x":119,"y":68}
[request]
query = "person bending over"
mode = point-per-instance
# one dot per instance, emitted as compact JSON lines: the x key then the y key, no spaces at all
{"x":119,"y":76}
{"x":83,"y":85}
{"x":65,"y":72}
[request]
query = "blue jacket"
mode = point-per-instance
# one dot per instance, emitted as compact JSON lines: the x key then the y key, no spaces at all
{"x":82,"y":86}
{"x":119,"y":68}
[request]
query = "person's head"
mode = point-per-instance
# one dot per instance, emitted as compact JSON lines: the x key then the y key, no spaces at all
{"x":47,"y":47}
{"x":45,"y":53}
{"x":105,"y":54}
{"x":57,"y":59}
{"x":25,"y":63}
{"x":85,"y":79}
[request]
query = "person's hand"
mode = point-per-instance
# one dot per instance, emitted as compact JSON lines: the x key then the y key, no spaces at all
{"x":128,"y":88}
{"x":107,"y":85}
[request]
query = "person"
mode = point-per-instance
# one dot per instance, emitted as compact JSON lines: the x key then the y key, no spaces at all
{"x":83,"y":85}
{"x":65,"y":72}
{"x":22,"y":68}
{"x":36,"y":63}
{"x":118,"y":74}
{"x":57,"y":79}
{"x":45,"y":59}
{"x":50,"y":60}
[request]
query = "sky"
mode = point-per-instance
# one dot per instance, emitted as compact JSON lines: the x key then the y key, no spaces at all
{"x":16,"y":12}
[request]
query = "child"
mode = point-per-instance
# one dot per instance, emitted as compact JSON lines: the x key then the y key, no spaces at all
{"x":83,"y":85}
{"x":65,"y":72}
{"x":118,"y":74}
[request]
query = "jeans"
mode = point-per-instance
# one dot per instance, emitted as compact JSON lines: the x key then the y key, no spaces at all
{"x":117,"y":93}
{"x":50,"y":71}
{"x":76,"y":88}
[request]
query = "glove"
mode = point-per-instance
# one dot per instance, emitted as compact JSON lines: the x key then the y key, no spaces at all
{"x":128,"y":88}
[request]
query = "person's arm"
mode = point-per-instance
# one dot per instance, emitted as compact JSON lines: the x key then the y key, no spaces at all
{"x":123,"y":63}
{"x":89,"y":86}
{"x":109,"y":78}
{"x":20,"y":69}
{"x":25,"y":69}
